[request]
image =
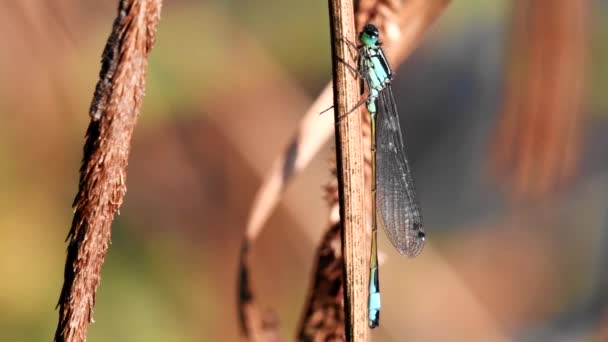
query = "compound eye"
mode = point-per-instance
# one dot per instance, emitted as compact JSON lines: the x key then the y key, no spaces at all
{"x":371,"y":30}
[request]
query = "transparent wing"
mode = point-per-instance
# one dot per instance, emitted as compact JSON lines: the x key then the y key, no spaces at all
{"x":395,"y":192}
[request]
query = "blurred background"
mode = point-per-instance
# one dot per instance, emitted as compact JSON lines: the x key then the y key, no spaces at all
{"x":504,"y":110}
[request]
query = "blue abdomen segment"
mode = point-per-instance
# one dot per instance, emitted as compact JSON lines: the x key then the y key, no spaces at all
{"x":374,"y":299}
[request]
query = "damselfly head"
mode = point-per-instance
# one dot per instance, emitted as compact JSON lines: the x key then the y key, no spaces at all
{"x":369,"y":35}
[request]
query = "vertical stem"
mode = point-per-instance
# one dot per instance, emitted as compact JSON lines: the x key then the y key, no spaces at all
{"x":350,"y":166}
{"x":114,"y":111}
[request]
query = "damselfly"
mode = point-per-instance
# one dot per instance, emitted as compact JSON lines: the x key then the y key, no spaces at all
{"x":393,"y":190}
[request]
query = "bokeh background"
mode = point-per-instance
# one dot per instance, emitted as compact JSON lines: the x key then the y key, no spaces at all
{"x":510,"y":162}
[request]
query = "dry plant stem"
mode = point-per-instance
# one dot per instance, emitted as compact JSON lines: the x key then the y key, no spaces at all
{"x":349,"y":157}
{"x":538,"y":137}
{"x":113,"y":112}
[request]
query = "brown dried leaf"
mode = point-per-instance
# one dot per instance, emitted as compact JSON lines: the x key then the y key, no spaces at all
{"x":323,"y":318}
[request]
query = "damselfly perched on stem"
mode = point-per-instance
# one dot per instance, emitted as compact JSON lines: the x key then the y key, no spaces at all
{"x":393,"y":192}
